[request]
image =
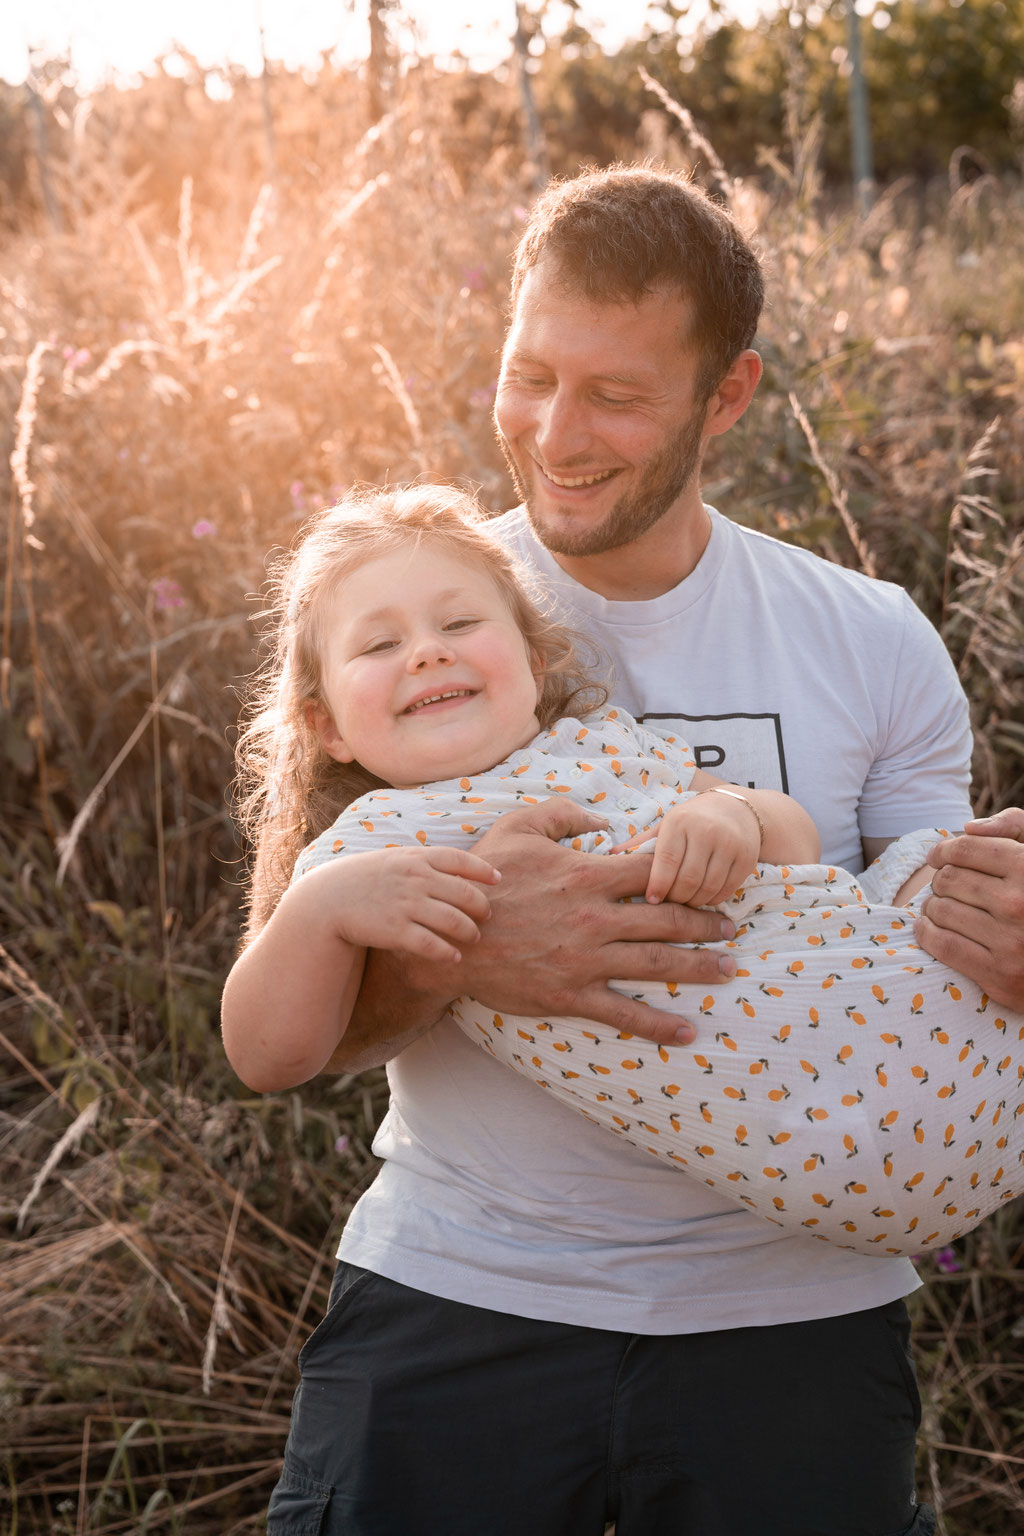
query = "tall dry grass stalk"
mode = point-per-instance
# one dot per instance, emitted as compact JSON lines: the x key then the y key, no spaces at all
{"x":225,"y":360}
{"x":712,"y":173}
{"x":837,"y":492}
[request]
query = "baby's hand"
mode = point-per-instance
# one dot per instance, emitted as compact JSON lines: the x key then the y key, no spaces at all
{"x":414,"y":899}
{"x":704,"y":850}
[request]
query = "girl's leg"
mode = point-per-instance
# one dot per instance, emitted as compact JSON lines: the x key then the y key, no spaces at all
{"x":843,"y":1084}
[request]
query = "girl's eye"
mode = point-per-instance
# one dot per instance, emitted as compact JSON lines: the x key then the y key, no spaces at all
{"x":377,"y":646}
{"x":461,"y":623}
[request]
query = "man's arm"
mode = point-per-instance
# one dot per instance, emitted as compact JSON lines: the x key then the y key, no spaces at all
{"x":922,"y":771}
{"x":974,"y":920}
{"x":874,"y":847}
{"x":388,"y":1013}
{"x":559,"y":931}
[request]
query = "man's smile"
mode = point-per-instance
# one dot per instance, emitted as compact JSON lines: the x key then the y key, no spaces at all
{"x":574,"y":482}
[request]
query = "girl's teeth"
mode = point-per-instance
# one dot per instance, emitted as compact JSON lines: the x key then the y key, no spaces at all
{"x":456,"y":693}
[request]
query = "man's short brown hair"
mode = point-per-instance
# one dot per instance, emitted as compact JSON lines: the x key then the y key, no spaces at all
{"x":619,"y":234}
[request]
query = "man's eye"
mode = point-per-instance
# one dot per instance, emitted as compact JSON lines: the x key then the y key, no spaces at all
{"x":524,"y":381}
{"x":613,"y":399}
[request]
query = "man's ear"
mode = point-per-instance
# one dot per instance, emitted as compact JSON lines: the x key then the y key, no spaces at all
{"x":321,"y":721}
{"x":733,"y":394}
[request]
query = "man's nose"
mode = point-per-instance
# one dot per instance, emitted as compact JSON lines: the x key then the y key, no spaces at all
{"x":562,"y":429}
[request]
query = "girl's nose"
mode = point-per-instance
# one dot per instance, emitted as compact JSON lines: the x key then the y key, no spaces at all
{"x":431,"y":651}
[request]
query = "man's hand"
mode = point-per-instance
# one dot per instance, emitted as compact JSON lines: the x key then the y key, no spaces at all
{"x":559,"y":931}
{"x":974,"y":920}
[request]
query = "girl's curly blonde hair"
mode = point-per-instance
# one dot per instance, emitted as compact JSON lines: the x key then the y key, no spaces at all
{"x":288,"y":789}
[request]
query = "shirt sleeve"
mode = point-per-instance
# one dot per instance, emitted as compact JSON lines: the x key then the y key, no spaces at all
{"x":369,"y":823}
{"x":404,"y":818}
{"x":669,"y":748}
{"x":922,"y":773}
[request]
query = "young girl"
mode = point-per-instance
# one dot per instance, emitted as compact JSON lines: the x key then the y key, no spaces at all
{"x":843,"y":1083}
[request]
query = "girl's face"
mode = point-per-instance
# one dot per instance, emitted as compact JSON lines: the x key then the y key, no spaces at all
{"x":426,"y":674}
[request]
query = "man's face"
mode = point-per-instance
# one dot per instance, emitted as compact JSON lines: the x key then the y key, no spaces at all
{"x":597,"y":414}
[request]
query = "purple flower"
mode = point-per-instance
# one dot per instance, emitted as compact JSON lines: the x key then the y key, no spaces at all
{"x":481,"y":399}
{"x":204,"y":529}
{"x":947,"y":1261}
{"x":474,"y":278}
{"x":297,"y":492}
{"x":76,"y":357}
{"x":167,"y":593}
{"x":341,"y":1145}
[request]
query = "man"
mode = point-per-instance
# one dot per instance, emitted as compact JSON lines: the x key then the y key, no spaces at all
{"x":534,"y":1328}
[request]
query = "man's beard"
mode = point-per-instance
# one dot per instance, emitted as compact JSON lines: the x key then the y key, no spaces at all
{"x":663,"y":480}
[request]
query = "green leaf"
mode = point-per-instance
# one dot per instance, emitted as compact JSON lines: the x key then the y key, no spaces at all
{"x":112,"y":915}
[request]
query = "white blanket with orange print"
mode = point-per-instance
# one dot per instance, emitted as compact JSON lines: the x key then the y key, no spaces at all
{"x":844,"y":1084}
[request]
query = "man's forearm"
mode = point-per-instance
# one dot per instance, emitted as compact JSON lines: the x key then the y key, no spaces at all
{"x":389,"y":1014}
{"x":559,"y":930}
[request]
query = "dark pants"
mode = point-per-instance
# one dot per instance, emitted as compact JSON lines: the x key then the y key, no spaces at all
{"x":417,"y":1416}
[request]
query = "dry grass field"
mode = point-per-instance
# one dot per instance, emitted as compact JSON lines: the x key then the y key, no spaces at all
{"x":192,"y":357}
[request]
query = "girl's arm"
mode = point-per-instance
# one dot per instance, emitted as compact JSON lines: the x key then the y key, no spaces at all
{"x":290,"y":994}
{"x":790,"y":836}
{"x":708,"y":845}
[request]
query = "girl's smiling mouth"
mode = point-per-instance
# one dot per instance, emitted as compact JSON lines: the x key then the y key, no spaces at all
{"x":447,"y":697}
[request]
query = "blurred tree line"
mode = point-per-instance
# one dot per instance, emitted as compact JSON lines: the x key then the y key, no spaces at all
{"x":941,"y":74}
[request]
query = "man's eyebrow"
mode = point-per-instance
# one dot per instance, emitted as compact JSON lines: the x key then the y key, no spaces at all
{"x":517,"y":355}
{"x":519,"y":359}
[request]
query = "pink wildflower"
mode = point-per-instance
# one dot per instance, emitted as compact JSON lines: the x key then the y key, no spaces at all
{"x":167,"y":593}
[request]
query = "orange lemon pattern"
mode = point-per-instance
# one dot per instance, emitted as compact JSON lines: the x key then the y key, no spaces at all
{"x":844,"y":1084}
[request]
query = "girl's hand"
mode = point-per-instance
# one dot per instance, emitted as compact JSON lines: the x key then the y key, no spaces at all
{"x":423,"y":901}
{"x":704,"y":850}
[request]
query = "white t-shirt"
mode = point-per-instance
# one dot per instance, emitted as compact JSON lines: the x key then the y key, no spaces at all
{"x":788,"y":673}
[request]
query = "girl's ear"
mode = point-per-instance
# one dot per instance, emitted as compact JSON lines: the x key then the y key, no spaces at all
{"x":537,"y":668}
{"x":322,"y":723}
